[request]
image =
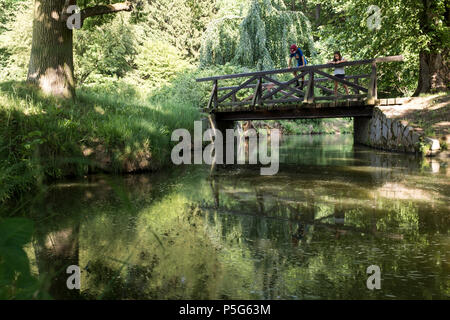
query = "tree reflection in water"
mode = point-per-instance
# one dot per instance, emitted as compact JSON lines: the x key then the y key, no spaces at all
{"x":308,"y":232}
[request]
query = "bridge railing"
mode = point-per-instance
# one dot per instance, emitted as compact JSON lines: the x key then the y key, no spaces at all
{"x":267,"y":89}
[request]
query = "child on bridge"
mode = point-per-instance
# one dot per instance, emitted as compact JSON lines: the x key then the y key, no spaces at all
{"x":339,"y":72}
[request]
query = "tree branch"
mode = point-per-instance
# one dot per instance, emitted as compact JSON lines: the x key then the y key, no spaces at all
{"x":106,"y":9}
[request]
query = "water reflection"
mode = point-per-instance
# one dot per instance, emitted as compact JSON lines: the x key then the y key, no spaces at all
{"x":308,"y":232}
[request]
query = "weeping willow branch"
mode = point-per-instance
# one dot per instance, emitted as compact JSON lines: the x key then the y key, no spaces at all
{"x":257,"y":37}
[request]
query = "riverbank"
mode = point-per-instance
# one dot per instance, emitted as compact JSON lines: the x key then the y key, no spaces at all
{"x":44,"y":138}
{"x":427,"y":115}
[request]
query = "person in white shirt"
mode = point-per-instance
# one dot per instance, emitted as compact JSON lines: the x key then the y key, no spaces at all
{"x":338,"y":71}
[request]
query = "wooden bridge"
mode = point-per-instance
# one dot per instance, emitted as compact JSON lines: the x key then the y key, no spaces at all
{"x":279,"y":94}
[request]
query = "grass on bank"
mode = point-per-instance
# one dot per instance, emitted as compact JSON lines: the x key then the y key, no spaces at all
{"x":114,"y":124}
{"x":42,"y":137}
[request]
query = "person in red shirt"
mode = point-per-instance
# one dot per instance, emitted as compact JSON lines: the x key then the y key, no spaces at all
{"x":297,"y":53}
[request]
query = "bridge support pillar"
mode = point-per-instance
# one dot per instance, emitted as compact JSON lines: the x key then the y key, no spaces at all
{"x":382,"y":132}
{"x":222,"y":126}
{"x":361,"y":129}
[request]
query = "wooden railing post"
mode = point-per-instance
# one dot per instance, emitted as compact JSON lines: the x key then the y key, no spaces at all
{"x":215,"y":94}
{"x":372,"y":92}
{"x":213,"y":98}
{"x":258,"y":92}
{"x":355,"y":90}
{"x":309,"y":96}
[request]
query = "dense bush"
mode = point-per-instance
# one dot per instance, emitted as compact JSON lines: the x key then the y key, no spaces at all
{"x":15,"y":40}
{"x":158,"y":63}
{"x":107,"y":50}
{"x":178,"y":23}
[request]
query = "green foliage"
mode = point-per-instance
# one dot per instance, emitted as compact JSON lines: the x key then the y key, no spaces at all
{"x":179,"y":23}
{"x":268,"y":31}
{"x":99,"y":50}
{"x":116,"y":46}
{"x":259,"y":38}
{"x":16,"y":280}
{"x":444,"y":145}
{"x":220,"y":41}
{"x":316,"y":126}
{"x":119,"y":60}
{"x":8,"y":11}
{"x":424,"y":148}
{"x":407,"y":27}
{"x":158,"y":63}
{"x":46,"y":138}
{"x":108,"y":49}
{"x":184,"y":87}
{"x":15,"y":40}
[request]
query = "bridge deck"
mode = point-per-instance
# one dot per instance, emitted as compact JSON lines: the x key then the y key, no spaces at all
{"x":335,"y":109}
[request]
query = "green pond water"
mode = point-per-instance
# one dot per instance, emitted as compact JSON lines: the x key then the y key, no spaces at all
{"x":309,"y":232}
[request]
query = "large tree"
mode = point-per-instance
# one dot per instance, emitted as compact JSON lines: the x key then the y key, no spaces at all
{"x":434,"y":59}
{"x":51,"y":59}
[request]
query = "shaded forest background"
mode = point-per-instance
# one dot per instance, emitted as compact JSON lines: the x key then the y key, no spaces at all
{"x":160,"y":40}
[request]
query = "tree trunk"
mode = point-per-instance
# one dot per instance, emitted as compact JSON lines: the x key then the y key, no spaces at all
{"x":434,"y":72}
{"x":434,"y":64}
{"x":51,"y":60}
